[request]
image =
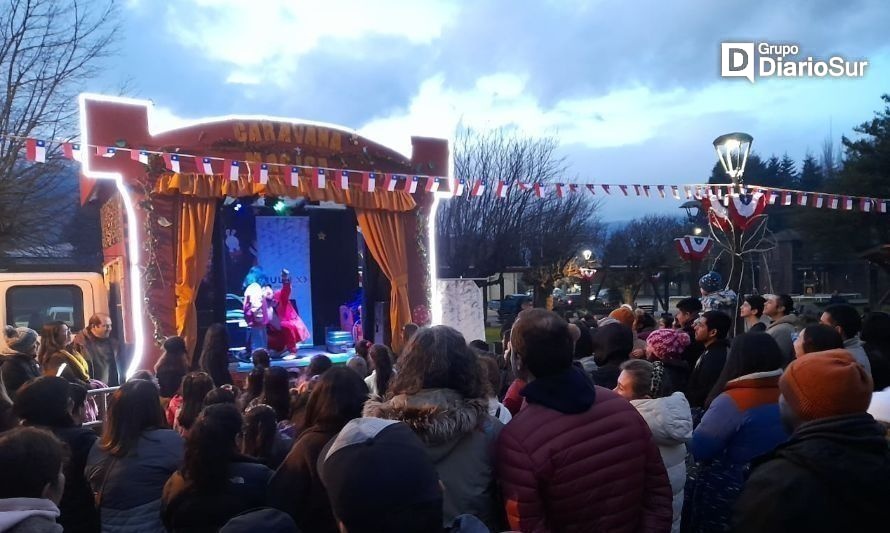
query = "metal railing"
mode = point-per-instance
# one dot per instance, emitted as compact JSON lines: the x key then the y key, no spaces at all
{"x":100,"y":397}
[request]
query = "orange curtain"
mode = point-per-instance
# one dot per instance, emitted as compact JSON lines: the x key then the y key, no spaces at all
{"x":384,"y":233}
{"x":195,"y":243}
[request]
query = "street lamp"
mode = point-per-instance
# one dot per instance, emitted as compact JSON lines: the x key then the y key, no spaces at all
{"x":732,"y":151}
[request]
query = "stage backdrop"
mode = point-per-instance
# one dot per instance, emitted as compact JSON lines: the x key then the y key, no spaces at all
{"x":462,"y":307}
{"x":283,"y":242}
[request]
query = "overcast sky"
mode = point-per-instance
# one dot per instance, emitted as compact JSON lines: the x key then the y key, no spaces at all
{"x":631,"y":89}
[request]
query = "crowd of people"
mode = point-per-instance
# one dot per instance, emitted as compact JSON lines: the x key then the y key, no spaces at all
{"x":613,"y":423}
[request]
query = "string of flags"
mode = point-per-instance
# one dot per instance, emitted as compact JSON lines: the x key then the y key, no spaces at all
{"x":320,"y":178}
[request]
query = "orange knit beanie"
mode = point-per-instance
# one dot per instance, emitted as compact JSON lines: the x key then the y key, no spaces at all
{"x":624,"y":315}
{"x":825,"y":385}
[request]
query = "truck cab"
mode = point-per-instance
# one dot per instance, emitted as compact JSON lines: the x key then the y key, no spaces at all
{"x":31,"y":299}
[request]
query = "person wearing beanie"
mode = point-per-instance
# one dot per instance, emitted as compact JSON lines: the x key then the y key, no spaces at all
{"x":19,"y":363}
{"x":714,"y":297}
{"x":831,"y":475}
{"x":625,"y":315}
{"x":667,"y":346}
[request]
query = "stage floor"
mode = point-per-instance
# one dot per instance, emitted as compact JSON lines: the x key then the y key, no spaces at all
{"x":305,"y":354}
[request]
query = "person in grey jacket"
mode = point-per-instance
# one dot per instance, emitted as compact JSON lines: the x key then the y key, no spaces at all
{"x":128,"y":467}
{"x":780,"y":309}
{"x":845,"y":319}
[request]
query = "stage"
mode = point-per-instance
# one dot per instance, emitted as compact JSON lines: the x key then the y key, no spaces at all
{"x":305,"y":355}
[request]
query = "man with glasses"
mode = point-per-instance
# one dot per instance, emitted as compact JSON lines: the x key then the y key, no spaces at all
{"x":711,"y":330}
{"x":100,"y":349}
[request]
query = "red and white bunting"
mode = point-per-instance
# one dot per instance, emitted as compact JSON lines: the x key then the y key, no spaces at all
{"x":592,"y":188}
{"x":478,"y":188}
{"x":637,"y":189}
{"x":171,"y":162}
{"x":294,"y":176}
{"x":623,"y":189}
{"x":263,"y":174}
{"x":320,"y":179}
{"x":573,"y":187}
{"x":106,"y":151}
{"x":369,"y":181}
{"x":389,"y":182}
{"x":72,"y":151}
{"x":344,"y":180}
{"x":232,"y":169}
{"x":802,"y":199}
{"x":432,"y":184}
{"x":819,"y":202}
{"x":142,"y":157}
{"x":540,"y":190}
{"x":646,"y":191}
{"x":558,"y":187}
{"x":660,"y":190}
{"x":865,"y":205}
{"x":606,"y":189}
{"x":411,"y":186}
{"x":688,"y":190}
{"x":204,"y":165}
{"x":675,"y":191}
{"x":882,"y":206}
{"x":502,"y":189}
{"x":460,"y":188}
{"x":786,"y":198}
{"x":848,"y":203}
{"x":834,"y":202}
{"x":35,"y":150}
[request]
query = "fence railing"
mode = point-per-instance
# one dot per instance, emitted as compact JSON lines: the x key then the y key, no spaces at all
{"x":99,"y":398}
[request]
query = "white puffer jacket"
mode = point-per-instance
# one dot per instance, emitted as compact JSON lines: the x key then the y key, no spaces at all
{"x":670,"y":420}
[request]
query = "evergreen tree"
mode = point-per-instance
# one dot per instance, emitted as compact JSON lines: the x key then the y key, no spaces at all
{"x":811,"y":176}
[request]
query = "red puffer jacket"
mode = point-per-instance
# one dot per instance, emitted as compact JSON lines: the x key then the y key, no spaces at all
{"x":576,"y":466}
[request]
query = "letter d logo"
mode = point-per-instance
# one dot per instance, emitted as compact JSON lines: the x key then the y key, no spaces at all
{"x":737,"y":60}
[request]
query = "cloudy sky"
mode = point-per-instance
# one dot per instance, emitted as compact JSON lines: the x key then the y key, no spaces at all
{"x":631,"y":89}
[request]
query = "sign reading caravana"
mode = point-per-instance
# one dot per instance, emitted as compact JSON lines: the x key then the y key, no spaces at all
{"x":286,"y":142}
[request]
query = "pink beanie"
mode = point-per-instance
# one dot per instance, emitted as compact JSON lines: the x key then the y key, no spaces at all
{"x":667,"y":343}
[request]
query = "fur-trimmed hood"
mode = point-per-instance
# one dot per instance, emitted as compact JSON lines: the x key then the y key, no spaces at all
{"x":437,"y":416}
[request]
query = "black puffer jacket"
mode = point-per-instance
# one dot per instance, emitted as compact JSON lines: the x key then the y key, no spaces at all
{"x":832,"y":475}
{"x":15,"y":370}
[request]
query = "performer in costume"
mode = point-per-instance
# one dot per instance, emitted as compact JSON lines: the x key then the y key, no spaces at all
{"x":285,"y":329}
{"x":257,"y":312}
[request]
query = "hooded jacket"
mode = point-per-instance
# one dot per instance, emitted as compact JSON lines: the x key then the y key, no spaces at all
{"x":670,"y":420}
{"x":781,"y":330}
{"x":459,"y":435}
{"x":578,"y":457}
{"x":28,"y":515}
{"x":830,"y":476}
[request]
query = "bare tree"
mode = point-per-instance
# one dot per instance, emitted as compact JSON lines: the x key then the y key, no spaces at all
{"x":642,"y":249}
{"x":479,"y":236}
{"x":48,"y":50}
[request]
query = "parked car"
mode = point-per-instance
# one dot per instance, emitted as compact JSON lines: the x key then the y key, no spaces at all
{"x":511,"y":305}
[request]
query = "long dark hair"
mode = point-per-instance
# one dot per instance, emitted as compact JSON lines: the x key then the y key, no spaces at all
{"x":44,"y":402}
{"x":51,"y":341}
{"x":276,"y":391}
{"x":438,"y":358}
{"x":260,"y":428}
{"x":253,"y":387}
{"x":750,"y":352}
{"x":382,"y":360}
{"x":175,"y":355}
{"x":210,"y":447}
{"x":134,"y":408}
{"x":215,"y":354}
{"x":337,"y":398}
{"x":195,"y":386}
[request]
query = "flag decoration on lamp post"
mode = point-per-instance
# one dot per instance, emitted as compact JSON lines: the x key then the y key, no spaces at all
{"x":71,"y":151}
{"x":171,"y":162}
{"x":205,"y":165}
{"x":744,"y":208}
{"x":693,"y":248}
{"x":142,"y":157}
{"x":35,"y":150}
